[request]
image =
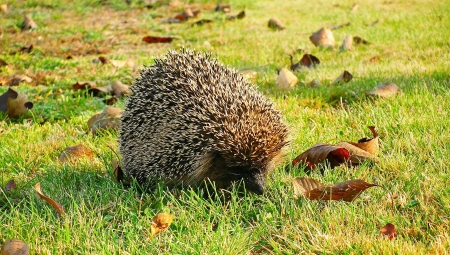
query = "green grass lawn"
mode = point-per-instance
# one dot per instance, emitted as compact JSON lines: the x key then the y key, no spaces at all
{"x":411,"y":39}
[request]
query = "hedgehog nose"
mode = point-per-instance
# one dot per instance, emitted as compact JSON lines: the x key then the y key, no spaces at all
{"x":257,"y":184}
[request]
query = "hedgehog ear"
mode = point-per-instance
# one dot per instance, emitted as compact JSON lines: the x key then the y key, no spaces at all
{"x":256,"y":183}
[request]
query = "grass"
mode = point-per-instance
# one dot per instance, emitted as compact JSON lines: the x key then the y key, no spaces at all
{"x":103,"y":217}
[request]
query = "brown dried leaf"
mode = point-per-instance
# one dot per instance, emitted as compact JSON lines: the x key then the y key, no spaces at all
{"x":157,"y":39}
{"x":357,"y":155}
{"x":10,"y":185}
{"x":385,"y":90}
{"x":16,"y":80}
{"x":286,"y":79}
{"x":388,"y":231}
{"x":123,"y":63}
{"x":110,"y":101}
{"x":323,"y":38}
{"x":14,"y":103}
{"x":347,"y":43}
{"x":26,"y":49}
{"x":108,"y":119}
{"x":346,"y":191}
{"x":3,"y":63}
{"x":275,"y":24}
{"x":345,"y":77}
{"x":58,"y":207}
{"x":223,"y":8}
{"x":309,"y":61}
{"x":15,"y":247}
{"x":103,"y":59}
{"x":120,"y":89}
{"x":28,"y":23}
{"x":240,"y":15}
{"x":340,"y":26}
{"x":84,"y":85}
{"x":101,"y":91}
{"x":320,"y":152}
{"x":160,"y":223}
{"x":4,"y":8}
{"x":354,"y":8}
{"x":72,"y":153}
{"x":302,"y":185}
{"x":359,"y":40}
{"x":201,"y":22}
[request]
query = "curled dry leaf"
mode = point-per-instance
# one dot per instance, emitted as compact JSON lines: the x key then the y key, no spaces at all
{"x":223,"y":8}
{"x":26,"y":49}
{"x":58,"y":207}
{"x":72,"y":153}
{"x":354,"y":8}
{"x":3,"y":63}
{"x":120,"y":89}
{"x":110,"y":101}
{"x":314,"y":190}
{"x":309,"y":61}
{"x":240,"y":15}
{"x":320,"y":152}
{"x":389,"y":231}
{"x":16,"y":80}
{"x":108,"y":119}
{"x":365,"y":148}
{"x":347,"y":43}
{"x":161,"y":222}
{"x":15,"y":247}
{"x":385,"y":90}
{"x":100,"y":91}
{"x":4,"y":8}
{"x":130,"y":63}
{"x":84,"y":85}
{"x":286,"y":79}
{"x":201,"y":22}
{"x":28,"y":23}
{"x":359,"y":40}
{"x":157,"y":39}
{"x":345,"y":77}
{"x":275,"y":24}
{"x":10,"y":185}
{"x":323,"y":38}
{"x":250,"y":75}
{"x":14,"y":103}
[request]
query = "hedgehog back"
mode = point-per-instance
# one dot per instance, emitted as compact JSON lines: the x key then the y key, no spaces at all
{"x":185,"y":111}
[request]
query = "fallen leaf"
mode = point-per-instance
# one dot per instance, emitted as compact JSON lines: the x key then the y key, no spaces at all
{"x":347,"y":43}
{"x":320,"y":152}
{"x":315,"y":83}
{"x":10,"y":185}
{"x":3,"y":63}
{"x":359,"y":40}
{"x":84,"y":85}
{"x":4,"y":8}
{"x":354,"y":8}
{"x":385,"y":90}
{"x":123,"y":63}
{"x":161,"y":222}
{"x":28,"y":23}
{"x":16,"y":80}
{"x":309,"y":61}
{"x":26,"y":49}
{"x":110,"y":101}
{"x":104,"y":60}
{"x":58,"y":207}
{"x":14,"y":103}
{"x":345,"y":77}
{"x":185,"y":15}
{"x":73,"y":153}
{"x":201,"y":22}
{"x":323,"y":38}
{"x":157,"y":39}
{"x":286,"y":79}
{"x":314,"y":190}
{"x":369,"y":144}
{"x":15,"y":247}
{"x":276,"y":24}
{"x":120,"y":89}
{"x":357,"y":155}
{"x":240,"y":15}
{"x":100,"y":91}
{"x":249,"y":75}
{"x":388,"y":231}
{"x":108,"y":119}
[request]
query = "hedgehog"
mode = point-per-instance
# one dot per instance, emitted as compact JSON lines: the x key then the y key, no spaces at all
{"x":191,"y":120}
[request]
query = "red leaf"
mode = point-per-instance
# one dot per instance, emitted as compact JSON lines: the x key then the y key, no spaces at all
{"x":321,"y":152}
{"x":389,"y":231}
{"x":157,"y":39}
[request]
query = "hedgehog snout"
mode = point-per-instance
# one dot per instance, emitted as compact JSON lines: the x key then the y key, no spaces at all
{"x":256,"y":183}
